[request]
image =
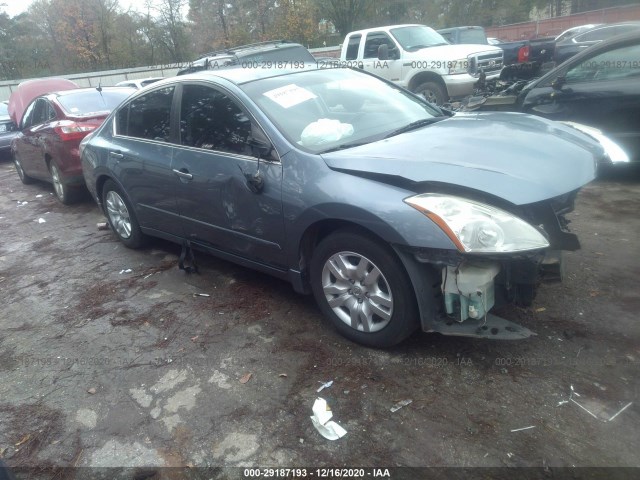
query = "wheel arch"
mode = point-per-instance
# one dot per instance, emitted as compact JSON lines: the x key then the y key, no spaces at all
{"x":100,"y":181}
{"x":423,"y":77}
{"x":47,"y":160}
{"x":424,"y":279}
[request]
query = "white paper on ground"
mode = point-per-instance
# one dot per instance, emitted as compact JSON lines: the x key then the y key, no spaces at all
{"x":321,"y":420}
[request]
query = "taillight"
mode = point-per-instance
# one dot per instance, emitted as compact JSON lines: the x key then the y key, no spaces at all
{"x":523,"y":54}
{"x":68,"y":130}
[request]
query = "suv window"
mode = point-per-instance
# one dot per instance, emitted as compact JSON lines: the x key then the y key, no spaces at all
{"x":212,"y":120}
{"x":352,"y":47}
{"x":147,"y":116}
{"x":374,"y":40}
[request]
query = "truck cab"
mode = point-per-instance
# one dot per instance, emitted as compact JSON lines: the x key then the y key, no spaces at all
{"x":420,"y":59}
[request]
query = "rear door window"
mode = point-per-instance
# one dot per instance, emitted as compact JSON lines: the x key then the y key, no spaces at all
{"x":147,"y":116}
{"x":353,"y":46}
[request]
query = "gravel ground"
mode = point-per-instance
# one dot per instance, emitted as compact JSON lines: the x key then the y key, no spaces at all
{"x":105,"y":366}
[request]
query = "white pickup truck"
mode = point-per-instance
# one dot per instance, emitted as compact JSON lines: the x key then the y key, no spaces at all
{"x":420,"y":59}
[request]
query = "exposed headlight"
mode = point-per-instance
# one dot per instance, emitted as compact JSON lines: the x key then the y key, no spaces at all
{"x":476,"y":227}
{"x":458,"y":66}
{"x":611,"y":148}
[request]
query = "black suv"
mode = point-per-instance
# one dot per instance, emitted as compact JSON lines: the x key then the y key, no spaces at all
{"x":255,"y":55}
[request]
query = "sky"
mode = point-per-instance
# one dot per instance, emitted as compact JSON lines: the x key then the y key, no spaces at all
{"x":15,"y":7}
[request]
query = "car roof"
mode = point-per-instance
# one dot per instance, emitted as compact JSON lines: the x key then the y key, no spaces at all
{"x":387,"y":28}
{"x":466,"y":27}
{"x":239,"y":75}
{"x":249,"y":49}
{"x":137,"y":81}
{"x":603,"y":26}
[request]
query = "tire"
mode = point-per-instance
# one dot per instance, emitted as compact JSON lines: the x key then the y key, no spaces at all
{"x":64,"y":193}
{"x":24,"y":178}
{"x":377,"y":314}
{"x":432,"y":92}
{"x":121,"y":216}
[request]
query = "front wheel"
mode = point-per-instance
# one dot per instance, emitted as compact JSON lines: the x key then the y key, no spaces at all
{"x":121,"y":216}
{"x":432,"y":92}
{"x":361,"y":286}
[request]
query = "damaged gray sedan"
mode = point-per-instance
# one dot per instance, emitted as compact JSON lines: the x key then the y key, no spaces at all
{"x":394,"y":214}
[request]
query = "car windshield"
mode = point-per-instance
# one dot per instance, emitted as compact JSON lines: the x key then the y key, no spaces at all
{"x":417,"y":36}
{"x":92,"y":101}
{"x":323,"y":110}
{"x":4,"y":109}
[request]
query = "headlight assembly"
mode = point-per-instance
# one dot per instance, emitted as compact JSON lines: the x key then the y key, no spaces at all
{"x":476,"y":227}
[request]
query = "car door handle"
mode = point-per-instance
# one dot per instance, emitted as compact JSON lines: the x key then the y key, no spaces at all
{"x":183,"y":173}
{"x":116,"y":155}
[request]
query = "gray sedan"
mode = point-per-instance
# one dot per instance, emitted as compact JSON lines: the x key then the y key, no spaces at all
{"x":394,"y":214}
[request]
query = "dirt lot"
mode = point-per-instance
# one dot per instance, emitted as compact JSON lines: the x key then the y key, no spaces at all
{"x":101,"y":366}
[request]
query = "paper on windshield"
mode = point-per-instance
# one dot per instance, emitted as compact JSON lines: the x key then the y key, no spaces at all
{"x":289,"y":95}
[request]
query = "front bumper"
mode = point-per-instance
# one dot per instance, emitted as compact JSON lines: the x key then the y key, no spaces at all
{"x":462,"y":84}
{"x":516,"y":281}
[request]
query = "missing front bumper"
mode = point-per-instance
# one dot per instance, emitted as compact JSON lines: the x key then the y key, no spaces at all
{"x":492,"y":327}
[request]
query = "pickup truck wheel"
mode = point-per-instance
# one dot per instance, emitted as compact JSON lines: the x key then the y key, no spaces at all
{"x":432,"y":92}
{"x":361,"y":286}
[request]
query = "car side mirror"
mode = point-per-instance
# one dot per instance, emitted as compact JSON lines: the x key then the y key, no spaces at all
{"x":383,"y":52}
{"x":558,"y":83}
{"x":259,"y":147}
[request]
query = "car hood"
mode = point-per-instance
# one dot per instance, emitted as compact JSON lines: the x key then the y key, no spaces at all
{"x":26,"y":91}
{"x":450,"y":51}
{"x":519,"y":158}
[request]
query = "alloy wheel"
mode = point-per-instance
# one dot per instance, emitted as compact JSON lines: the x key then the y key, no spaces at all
{"x":118,"y":214}
{"x":357,"y":291}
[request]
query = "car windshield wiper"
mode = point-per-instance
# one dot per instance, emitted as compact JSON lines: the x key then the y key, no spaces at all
{"x":423,"y":122}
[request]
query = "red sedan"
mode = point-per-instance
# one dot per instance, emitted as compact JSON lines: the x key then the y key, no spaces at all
{"x":51,"y":129}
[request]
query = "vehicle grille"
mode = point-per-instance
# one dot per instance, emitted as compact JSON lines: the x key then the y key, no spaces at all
{"x":489,"y":63}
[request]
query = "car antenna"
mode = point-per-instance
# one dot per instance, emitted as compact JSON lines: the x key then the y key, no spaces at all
{"x":99,"y":89}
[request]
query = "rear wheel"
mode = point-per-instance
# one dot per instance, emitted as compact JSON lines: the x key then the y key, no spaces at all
{"x":361,"y":286}
{"x":432,"y":92}
{"x":66,"y":194}
{"x":121,"y":216}
{"x":24,"y":178}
